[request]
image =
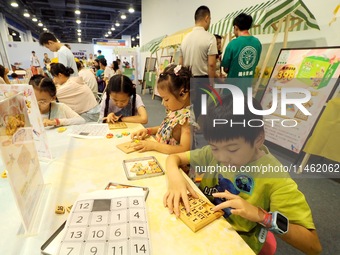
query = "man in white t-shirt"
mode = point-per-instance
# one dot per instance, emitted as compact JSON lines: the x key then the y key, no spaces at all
{"x":35,"y":64}
{"x":65,"y":55}
{"x":198,"y":51}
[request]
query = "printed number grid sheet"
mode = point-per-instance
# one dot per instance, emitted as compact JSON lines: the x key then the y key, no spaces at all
{"x":110,"y":222}
{"x":90,"y":131}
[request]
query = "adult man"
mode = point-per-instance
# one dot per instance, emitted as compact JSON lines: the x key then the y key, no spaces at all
{"x":242,"y":54}
{"x":65,"y":55}
{"x":100,"y":54}
{"x":35,"y":64}
{"x":198,"y":51}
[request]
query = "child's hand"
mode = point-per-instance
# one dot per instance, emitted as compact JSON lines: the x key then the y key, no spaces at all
{"x":140,"y":134}
{"x":111,"y":118}
{"x":145,"y":146}
{"x":239,"y":206}
{"x":177,"y":191}
{"x":48,"y":122}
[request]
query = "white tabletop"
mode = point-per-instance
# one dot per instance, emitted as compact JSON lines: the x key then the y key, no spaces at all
{"x":85,"y":165}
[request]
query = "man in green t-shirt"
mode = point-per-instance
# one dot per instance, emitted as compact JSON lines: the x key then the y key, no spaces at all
{"x":242,"y":54}
{"x":236,"y":179}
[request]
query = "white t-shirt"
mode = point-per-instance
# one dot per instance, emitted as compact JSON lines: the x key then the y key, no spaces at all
{"x":65,"y":115}
{"x":108,"y":72}
{"x":90,"y":80}
{"x":77,"y":95}
{"x":35,"y":61}
{"x":65,"y":57}
{"x":195,"y":49}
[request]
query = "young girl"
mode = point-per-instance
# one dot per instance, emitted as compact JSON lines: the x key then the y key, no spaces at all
{"x":120,"y":102}
{"x":53,"y":113}
{"x":173,"y":135}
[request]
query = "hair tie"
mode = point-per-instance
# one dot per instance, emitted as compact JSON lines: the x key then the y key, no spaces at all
{"x":177,"y":69}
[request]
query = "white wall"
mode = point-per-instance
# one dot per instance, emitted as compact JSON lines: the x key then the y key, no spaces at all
{"x":21,"y":52}
{"x":174,"y":15}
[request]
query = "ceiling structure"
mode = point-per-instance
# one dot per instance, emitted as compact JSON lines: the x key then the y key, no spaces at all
{"x":98,"y":18}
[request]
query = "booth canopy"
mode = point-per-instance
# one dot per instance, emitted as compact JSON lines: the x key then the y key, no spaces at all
{"x":266,"y":14}
{"x":175,"y":39}
{"x":153,"y":45}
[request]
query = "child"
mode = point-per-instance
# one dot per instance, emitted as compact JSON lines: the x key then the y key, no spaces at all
{"x":173,"y":135}
{"x":125,"y":105}
{"x":53,"y":113}
{"x":245,"y":197}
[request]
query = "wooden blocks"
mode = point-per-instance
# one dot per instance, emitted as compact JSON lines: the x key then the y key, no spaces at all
{"x":200,"y":215}
{"x":60,"y":209}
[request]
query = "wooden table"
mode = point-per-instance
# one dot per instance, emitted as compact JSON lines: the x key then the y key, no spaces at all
{"x":85,"y":165}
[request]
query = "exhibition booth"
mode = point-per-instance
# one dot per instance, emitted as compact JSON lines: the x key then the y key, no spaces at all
{"x":81,"y":189}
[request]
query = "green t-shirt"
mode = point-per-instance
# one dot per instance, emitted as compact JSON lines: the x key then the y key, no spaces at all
{"x":241,"y":58}
{"x":272,"y":194}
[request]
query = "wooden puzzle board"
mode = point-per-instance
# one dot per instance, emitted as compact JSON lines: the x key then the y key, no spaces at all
{"x":127,"y":147}
{"x":117,"y":125}
{"x":200,"y":214}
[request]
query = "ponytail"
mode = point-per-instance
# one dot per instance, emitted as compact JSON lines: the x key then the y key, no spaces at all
{"x":107,"y":102}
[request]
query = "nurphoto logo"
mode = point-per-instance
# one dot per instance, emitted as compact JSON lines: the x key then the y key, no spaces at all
{"x":238,"y":105}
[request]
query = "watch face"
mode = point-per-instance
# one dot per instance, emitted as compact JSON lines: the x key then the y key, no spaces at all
{"x":282,"y":222}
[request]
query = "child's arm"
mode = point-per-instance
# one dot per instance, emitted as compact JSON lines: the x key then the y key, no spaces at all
{"x":298,"y":236}
{"x":177,"y":185}
{"x":306,"y":240}
{"x":183,"y":146}
{"x":141,"y":117}
{"x":142,"y":133}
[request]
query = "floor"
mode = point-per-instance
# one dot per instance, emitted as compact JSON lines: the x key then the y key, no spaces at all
{"x":321,"y":193}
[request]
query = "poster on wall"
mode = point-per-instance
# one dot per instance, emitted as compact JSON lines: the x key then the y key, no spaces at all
{"x":299,"y":75}
{"x":20,"y":157}
{"x":33,"y":113}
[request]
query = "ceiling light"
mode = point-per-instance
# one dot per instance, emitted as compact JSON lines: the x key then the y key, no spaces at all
{"x":133,"y":39}
{"x":34,"y":19}
{"x":137,"y":36}
{"x":79,"y":30}
{"x":26,"y":14}
{"x":40,"y":24}
{"x":78,"y":21}
{"x":45,"y":29}
{"x":113,"y":29}
{"x":123,"y":16}
{"x":131,"y":10}
{"x":14,"y":4}
{"x":79,"y":33}
{"x":117,"y":24}
{"x":79,"y":39}
{"x":106,"y":35}
{"x":110,"y":33}
{"x":14,"y":34}
{"x":77,"y":12}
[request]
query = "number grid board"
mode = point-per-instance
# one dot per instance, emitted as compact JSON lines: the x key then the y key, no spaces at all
{"x":200,"y":214}
{"x":117,"y":125}
{"x":90,"y":130}
{"x":142,"y":168}
{"x":107,"y":222}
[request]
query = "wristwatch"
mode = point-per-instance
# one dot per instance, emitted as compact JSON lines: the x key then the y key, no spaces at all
{"x":275,"y":222}
{"x":279,"y":223}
